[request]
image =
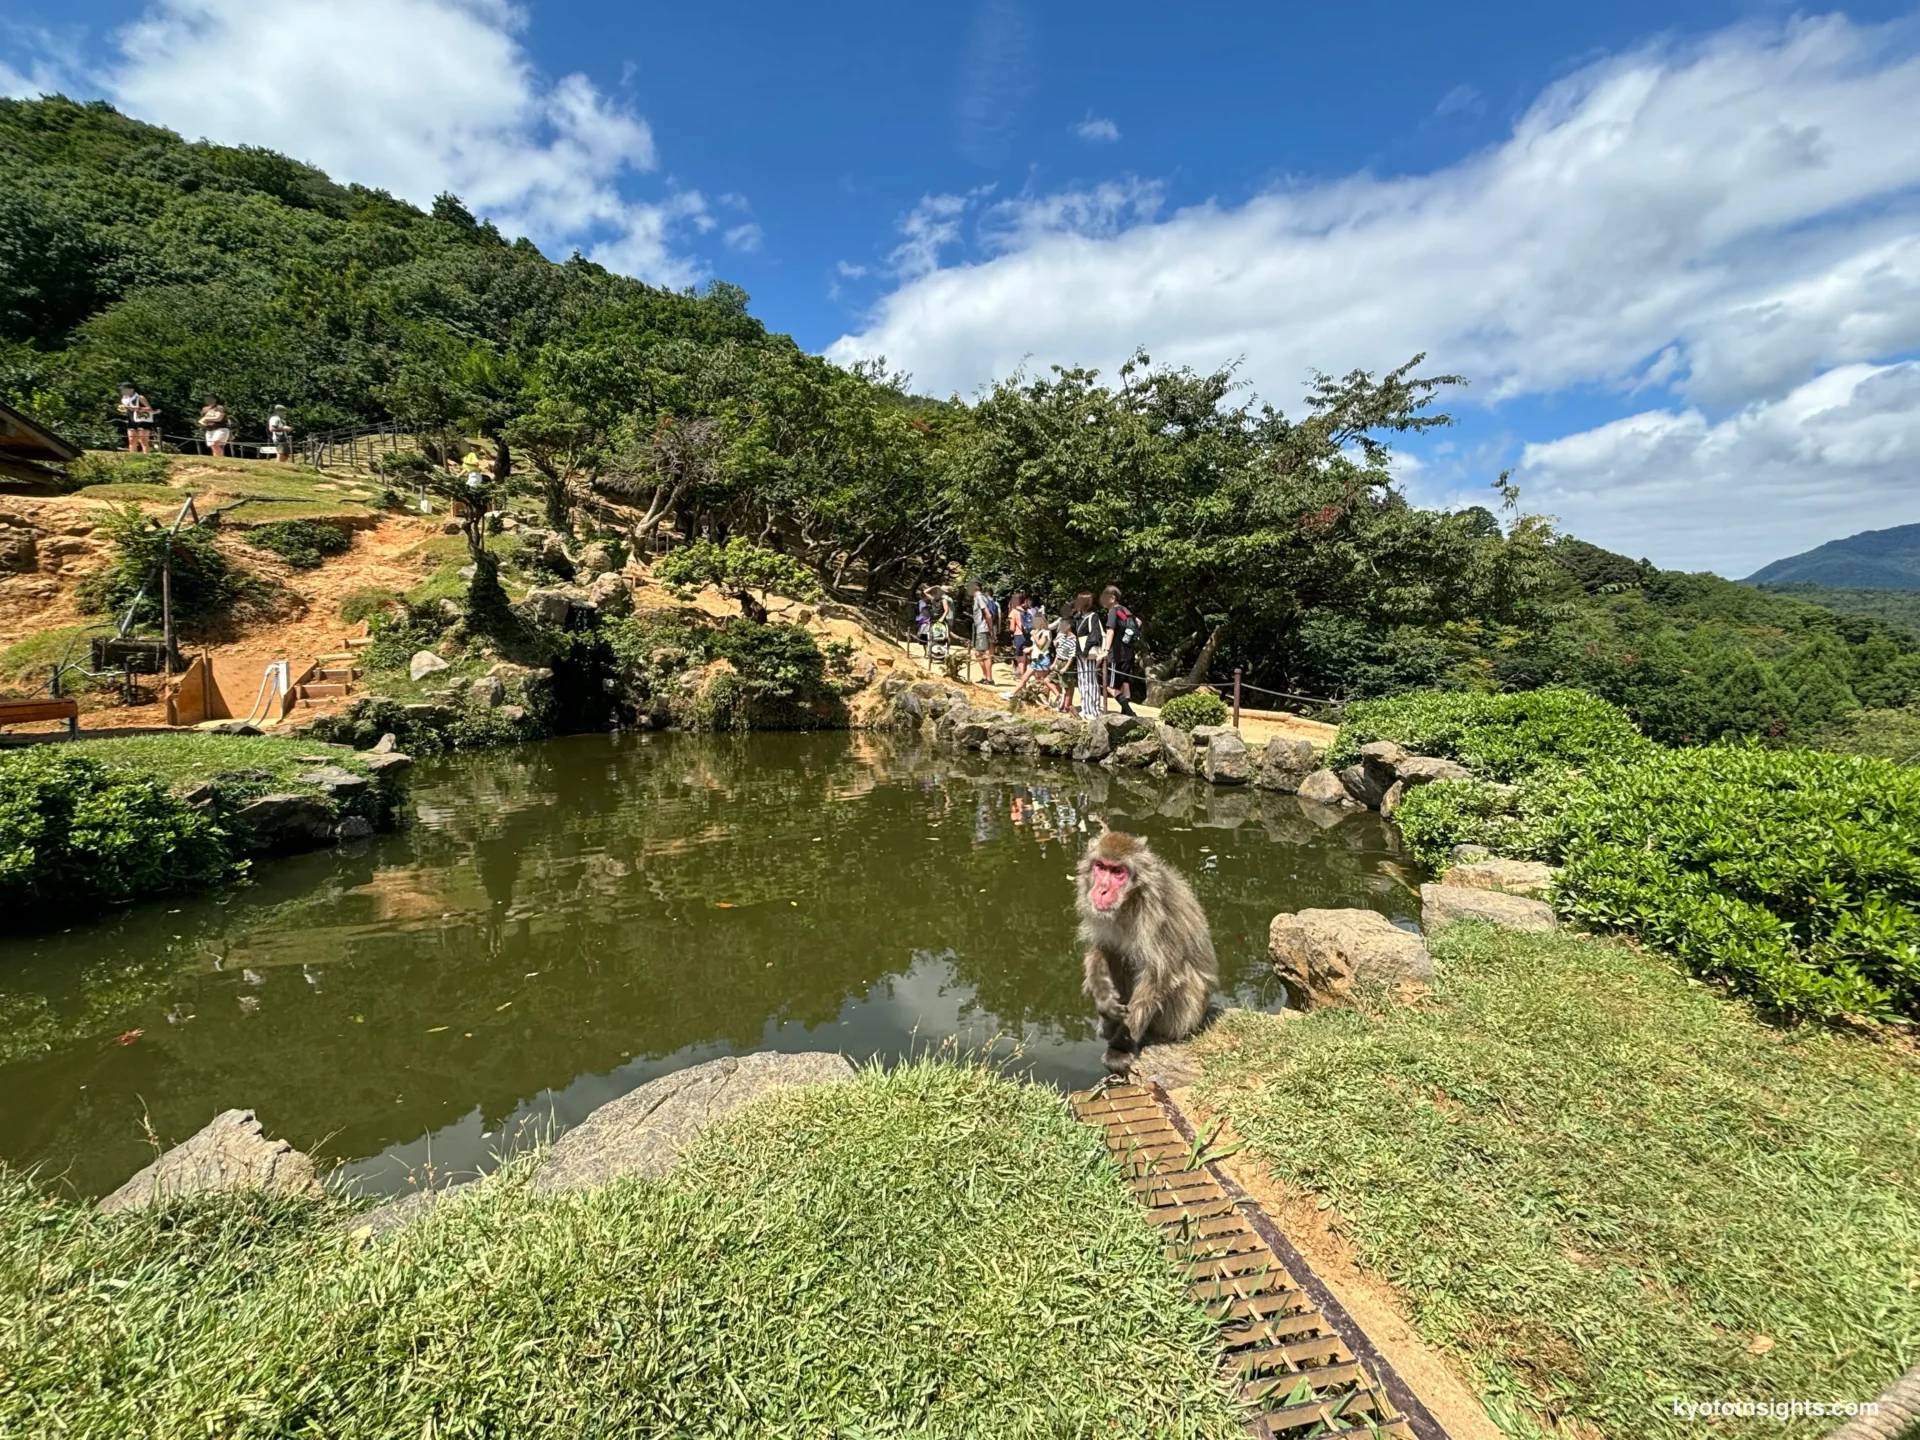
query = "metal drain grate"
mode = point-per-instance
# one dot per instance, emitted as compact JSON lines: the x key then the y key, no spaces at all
{"x":1300,"y":1364}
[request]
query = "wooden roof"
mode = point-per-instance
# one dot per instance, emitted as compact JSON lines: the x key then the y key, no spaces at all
{"x":21,"y":439}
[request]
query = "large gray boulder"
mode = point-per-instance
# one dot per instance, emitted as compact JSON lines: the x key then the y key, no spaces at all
{"x":546,"y":607}
{"x":1515,"y":877}
{"x":1444,"y":905}
{"x":1365,"y":784}
{"x":276,"y":821}
{"x":1284,"y":764}
{"x":1176,"y":748}
{"x":1226,"y":761}
{"x":644,"y":1131}
{"x":1135,"y":754}
{"x":1323,"y":787}
{"x":610,"y":594}
{"x":1424,"y":770}
{"x":1095,"y":744}
{"x":232,"y":1153}
{"x":423,"y":664}
{"x":335,"y":781}
{"x":594,"y":559}
{"x":1323,"y":954}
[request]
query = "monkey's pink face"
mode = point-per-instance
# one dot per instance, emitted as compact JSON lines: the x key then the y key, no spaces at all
{"x":1107,"y":885}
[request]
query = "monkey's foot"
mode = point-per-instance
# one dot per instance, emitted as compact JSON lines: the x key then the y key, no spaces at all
{"x":1118,"y":1061}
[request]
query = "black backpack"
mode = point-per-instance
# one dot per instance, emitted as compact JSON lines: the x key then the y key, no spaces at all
{"x":1126,"y":628}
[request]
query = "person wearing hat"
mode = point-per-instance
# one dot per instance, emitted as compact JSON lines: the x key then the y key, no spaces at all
{"x":280,"y":433}
{"x":138,"y":413}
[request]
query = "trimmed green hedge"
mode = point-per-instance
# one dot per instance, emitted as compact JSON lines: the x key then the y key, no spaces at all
{"x":1501,"y":737}
{"x":1792,"y":874}
{"x":75,"y":832}
{"x":1197,"y":707}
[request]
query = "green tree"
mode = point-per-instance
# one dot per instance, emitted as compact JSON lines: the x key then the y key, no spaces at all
{"x":745,"y":573}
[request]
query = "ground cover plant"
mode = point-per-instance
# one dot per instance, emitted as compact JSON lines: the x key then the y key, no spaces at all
{"x":1600,"y":1186}
{"x":1499,"y":736}
{"x":108,"y":822}
{"x":303,"y":544}
{"x":934,"y":1251}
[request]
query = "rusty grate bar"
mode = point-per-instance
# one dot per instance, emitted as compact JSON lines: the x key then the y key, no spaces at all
{"x":1299,"y":1363}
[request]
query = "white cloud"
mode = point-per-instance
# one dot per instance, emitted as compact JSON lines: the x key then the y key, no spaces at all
{"x":850,"y":270}
{"x":1758,"y":187}
{"x":745,"y":238}
{"x":1462,"y":99}
{"x":415,"y":97}
{"x":1095,"y":129}
{"x":931,"y":225}
{"x":1833,"y":456}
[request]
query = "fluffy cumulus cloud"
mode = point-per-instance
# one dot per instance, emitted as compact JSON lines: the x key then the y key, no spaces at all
{"x":1714,"y":226}
{"x":415,"y":97}
{"x":1835,"y":455}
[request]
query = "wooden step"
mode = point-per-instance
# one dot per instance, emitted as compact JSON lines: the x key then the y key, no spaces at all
{"x":320,"y":690}
{"x":359,"y":642}
{"x":346,"y":674}
{"x":341,"y":655}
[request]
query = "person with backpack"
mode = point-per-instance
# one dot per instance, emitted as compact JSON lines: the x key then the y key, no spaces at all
{"x":1123,"y":632}
{"x":1019,"y":625}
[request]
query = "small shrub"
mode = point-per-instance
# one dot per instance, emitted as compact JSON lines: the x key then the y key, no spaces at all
{"x":96,"y":467}
{"x":1499,"y":737}
{"x":1197,"y":707}
{"x":75,"y":832}
{"x":367,"y":602}
{"x":303,"y":544}
{"x":204,"y":585}
{"x":1792,"y":874}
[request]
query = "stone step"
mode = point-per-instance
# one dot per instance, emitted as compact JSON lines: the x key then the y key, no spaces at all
{"x":359,"y":642}
{"x":340,"y":655}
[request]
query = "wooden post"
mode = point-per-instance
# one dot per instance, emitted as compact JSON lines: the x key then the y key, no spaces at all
{"x":166,"y":607}
{"x":1236,"y":697}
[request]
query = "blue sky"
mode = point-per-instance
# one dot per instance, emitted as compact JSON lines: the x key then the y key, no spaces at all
{"x":1676,"y":248}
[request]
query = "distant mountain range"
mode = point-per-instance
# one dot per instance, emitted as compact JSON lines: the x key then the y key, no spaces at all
{"x":1871,"y":560}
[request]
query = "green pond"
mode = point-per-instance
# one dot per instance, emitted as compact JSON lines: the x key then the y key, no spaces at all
{"x":559,"y":923}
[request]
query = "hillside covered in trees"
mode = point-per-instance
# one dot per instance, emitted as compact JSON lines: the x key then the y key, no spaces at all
{"x":1244,"y":535}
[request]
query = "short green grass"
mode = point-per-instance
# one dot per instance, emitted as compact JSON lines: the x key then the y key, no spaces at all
{"x":30,"y":661}
{"x":450,"y":551}
{"x":120,"y":490}
{"x":931,"y":1252}
{"x":272,"y":763}
{"x":1599,"y":1182}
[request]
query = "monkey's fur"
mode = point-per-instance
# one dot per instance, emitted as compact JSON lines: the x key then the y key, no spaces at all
{"x":1150,"y":965}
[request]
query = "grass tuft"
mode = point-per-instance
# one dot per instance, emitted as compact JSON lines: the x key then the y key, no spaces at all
{"x":934,"y":1251}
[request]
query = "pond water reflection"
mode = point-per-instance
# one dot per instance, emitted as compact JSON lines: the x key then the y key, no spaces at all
{"x":562,"y":922}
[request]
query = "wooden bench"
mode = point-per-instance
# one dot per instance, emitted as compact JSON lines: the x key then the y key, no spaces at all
{"x":46,"y":707}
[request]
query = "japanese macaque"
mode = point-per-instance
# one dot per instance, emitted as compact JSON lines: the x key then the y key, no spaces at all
{"x":1150,"y":963}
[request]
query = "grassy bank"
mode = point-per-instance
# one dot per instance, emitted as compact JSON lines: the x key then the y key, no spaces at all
{"x":1602,"y":1185}
{"x":933,"y":1252}
{"x":112,"y":821}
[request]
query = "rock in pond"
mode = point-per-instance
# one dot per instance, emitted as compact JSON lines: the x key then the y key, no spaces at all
{"x":644,"y":1131}
{"x":1323,"y":787}
{"x":1322,"y":954}
{"x":1284,"y":764}
{"x":1225,"y":760}
{"x":1444,"y":905}
{"x":231,"y":1153}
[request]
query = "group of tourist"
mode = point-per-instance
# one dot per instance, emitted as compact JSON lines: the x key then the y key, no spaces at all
{"x":138,"y":414}
{"x":1077,"y":660}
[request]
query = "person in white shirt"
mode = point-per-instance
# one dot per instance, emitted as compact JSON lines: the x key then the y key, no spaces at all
{"x":138,"y":412}
{"x":280,"y":433}
{"x":216,"y":427}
